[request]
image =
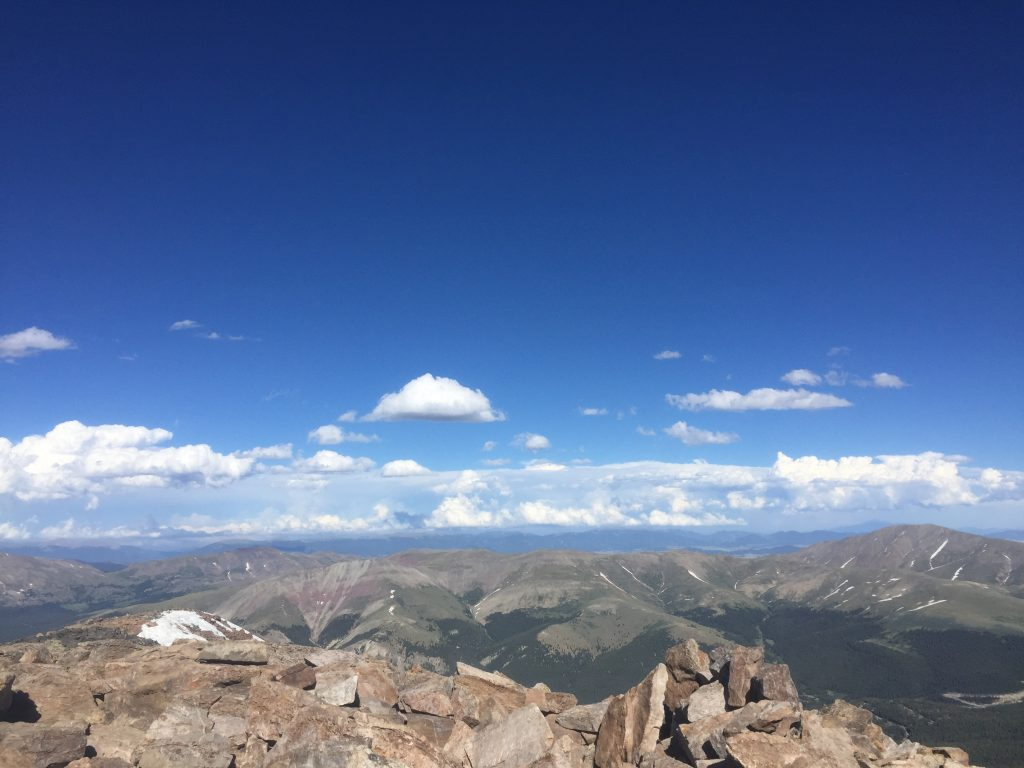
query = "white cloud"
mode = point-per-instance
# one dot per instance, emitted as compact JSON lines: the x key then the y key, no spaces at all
{"x":838,"y":351}
{"x":881,"y":482}
{"x":801,"y":377}
{"x":883,"y":381}
{"x":329,"y":462}
{"x":668,"y":354}
{"x":185,"y":325}
{"x":544,"y":466}
{"x":435,"y":399}
{"x":530,"y":441}
{"x":594,"y":411}
{"x":764,"y":399}
{"x":496,"y":462}
{"x":463,"y":512}
{"x":73,"y":459}
{"x":695,"y":436}
{"x":329,"y":434}
{"x":543,"y":513}
{"x":836,"y":377}
{"x":268,"y":452}
{"x":11,"y":532}
{"x":490,"y":445}
{"x":31,"y":341}
{"x":708,"y":358}
{"x":211,"y":336}
{"x":403,"y":468}
{"x":348,"y":416}
{"x":646,"y":432}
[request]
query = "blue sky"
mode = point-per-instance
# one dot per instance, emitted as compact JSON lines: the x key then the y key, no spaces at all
{"x":532,"y":201}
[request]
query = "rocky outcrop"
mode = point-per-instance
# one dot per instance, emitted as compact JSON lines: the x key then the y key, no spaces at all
{"x":248,"y":704}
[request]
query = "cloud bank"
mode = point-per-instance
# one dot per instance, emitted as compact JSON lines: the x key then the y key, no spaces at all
{"x":764,"y":399}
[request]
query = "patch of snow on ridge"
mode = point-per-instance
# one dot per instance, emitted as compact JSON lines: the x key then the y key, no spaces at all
{"x":171,"y":626}
{"x":847,"y":562}
{"x":936,"y":552}
{"x":698,"y":578}
{"x":957,"y":573}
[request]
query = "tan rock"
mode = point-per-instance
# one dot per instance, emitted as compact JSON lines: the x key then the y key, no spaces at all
{"x":686,"y":661}
{"x":763,"y":750}
{"x":37,"y":654}
{"x":706,"y":738}
{"x":455,"y":747}
{"x":744,"y":665}
{"x":35,"y":745}
{"x":583,"y":717}
{"x":429,"y":695}
{"x":272,"y":706}
{"x":859,"y":723}
{"x":336,"y":686}
{"x":234,"y":652}
{"x":678,"y":692}
{"x":183,"y":756}
{"x":630,"y":727}
{"x":58,"y":694}
{"x":301,"y":675}
{"x":706,"y":701}
{"x":955,"y":754}
{"x":116,"y":741}
{"x":774,"y":682}
{"x":431,"y":728}
{"x":516,"y":740}
{"x":480,"y":700}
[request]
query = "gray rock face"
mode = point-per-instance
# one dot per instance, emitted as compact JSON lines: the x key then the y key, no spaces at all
{"x":234,"y":652}
{"x":706,"y":701}
{"x":516,"y":740}
{"x":337,"y":687}
{"x":585,"y":717}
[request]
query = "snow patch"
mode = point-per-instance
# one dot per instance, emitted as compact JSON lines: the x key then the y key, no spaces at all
{"x":170,"y":626}
{"x":941,"y":547}
{"x":698,"y":578}
{"x":929,"y":604}
{"x":847,"y":562}
{"x":612,"y":583}
{"x":957,"y":573}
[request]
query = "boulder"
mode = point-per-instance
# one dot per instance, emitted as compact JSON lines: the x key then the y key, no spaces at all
{"x":744,"y":665}
{"x":774,"y":682}
{"x":272,"y":706}
{"x":116,"y":741}
{"x":518,"y":739}
{"x":428,"y":693}
{"x":183,"y":756}
{"x":631,"y":725}
{"x":301,"y":675}
{"x":336,"y":686}
{"x":34,"y":745}
{"x":37,"y":654}
{"x":6,"y":690}
{"x":706,"y":738}
{"x":763,"y":750}
{"x":706,"y":701}
{"x":859,"y":723}
{"x":324,"y":657}
{"x":482,"y":698}
{"x":955,"y":754}
{"x":234,"y":652}
{"x":59,"y":695}
{"x":686,"y":661}
{"x":376,"y":683}
{"x":678,"y":692}
{"x":583,"y":717}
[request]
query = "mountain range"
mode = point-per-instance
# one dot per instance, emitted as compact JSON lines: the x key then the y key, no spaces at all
{"x":923,"y":624}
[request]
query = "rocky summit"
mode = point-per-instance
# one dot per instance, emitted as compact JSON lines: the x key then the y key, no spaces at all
{"x":116,"y":693}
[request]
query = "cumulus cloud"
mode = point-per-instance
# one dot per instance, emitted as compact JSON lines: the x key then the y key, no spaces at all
{"x":764,"y":399}
{"x":543,"y":513}
{"x":330,"y":462}
{"x":269,"y":452}
{"x":646,"y":432}
{"x":330,"y":434}
{"x":801,"y":377}
{"x":530,"y":441}
{"x":348,"y":416}
{"x":594,"y":411}
{"x":490,"y":445}
{"x":31,"y":341}
{"x":464,"y":512}
{"x":73,"y":459}
{"x":694,"y":436}
{"x":403,"y":468}
{"x":435,"y":399}
{"x":185,"y":325}
{"x":668,"y":354}
{"x":544,"y":466}
{"x":883,"y":381}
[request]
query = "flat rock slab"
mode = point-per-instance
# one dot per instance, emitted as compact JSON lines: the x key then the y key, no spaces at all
{"x":584,"y":717}
{"x":706,"y":701}
{"x":516,"y":740}
{"x":337,"y":687}
{"x":32,"y":745}
{"x":234,"y":652}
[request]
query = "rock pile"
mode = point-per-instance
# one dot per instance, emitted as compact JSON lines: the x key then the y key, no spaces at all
{"x":121,"y":702}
